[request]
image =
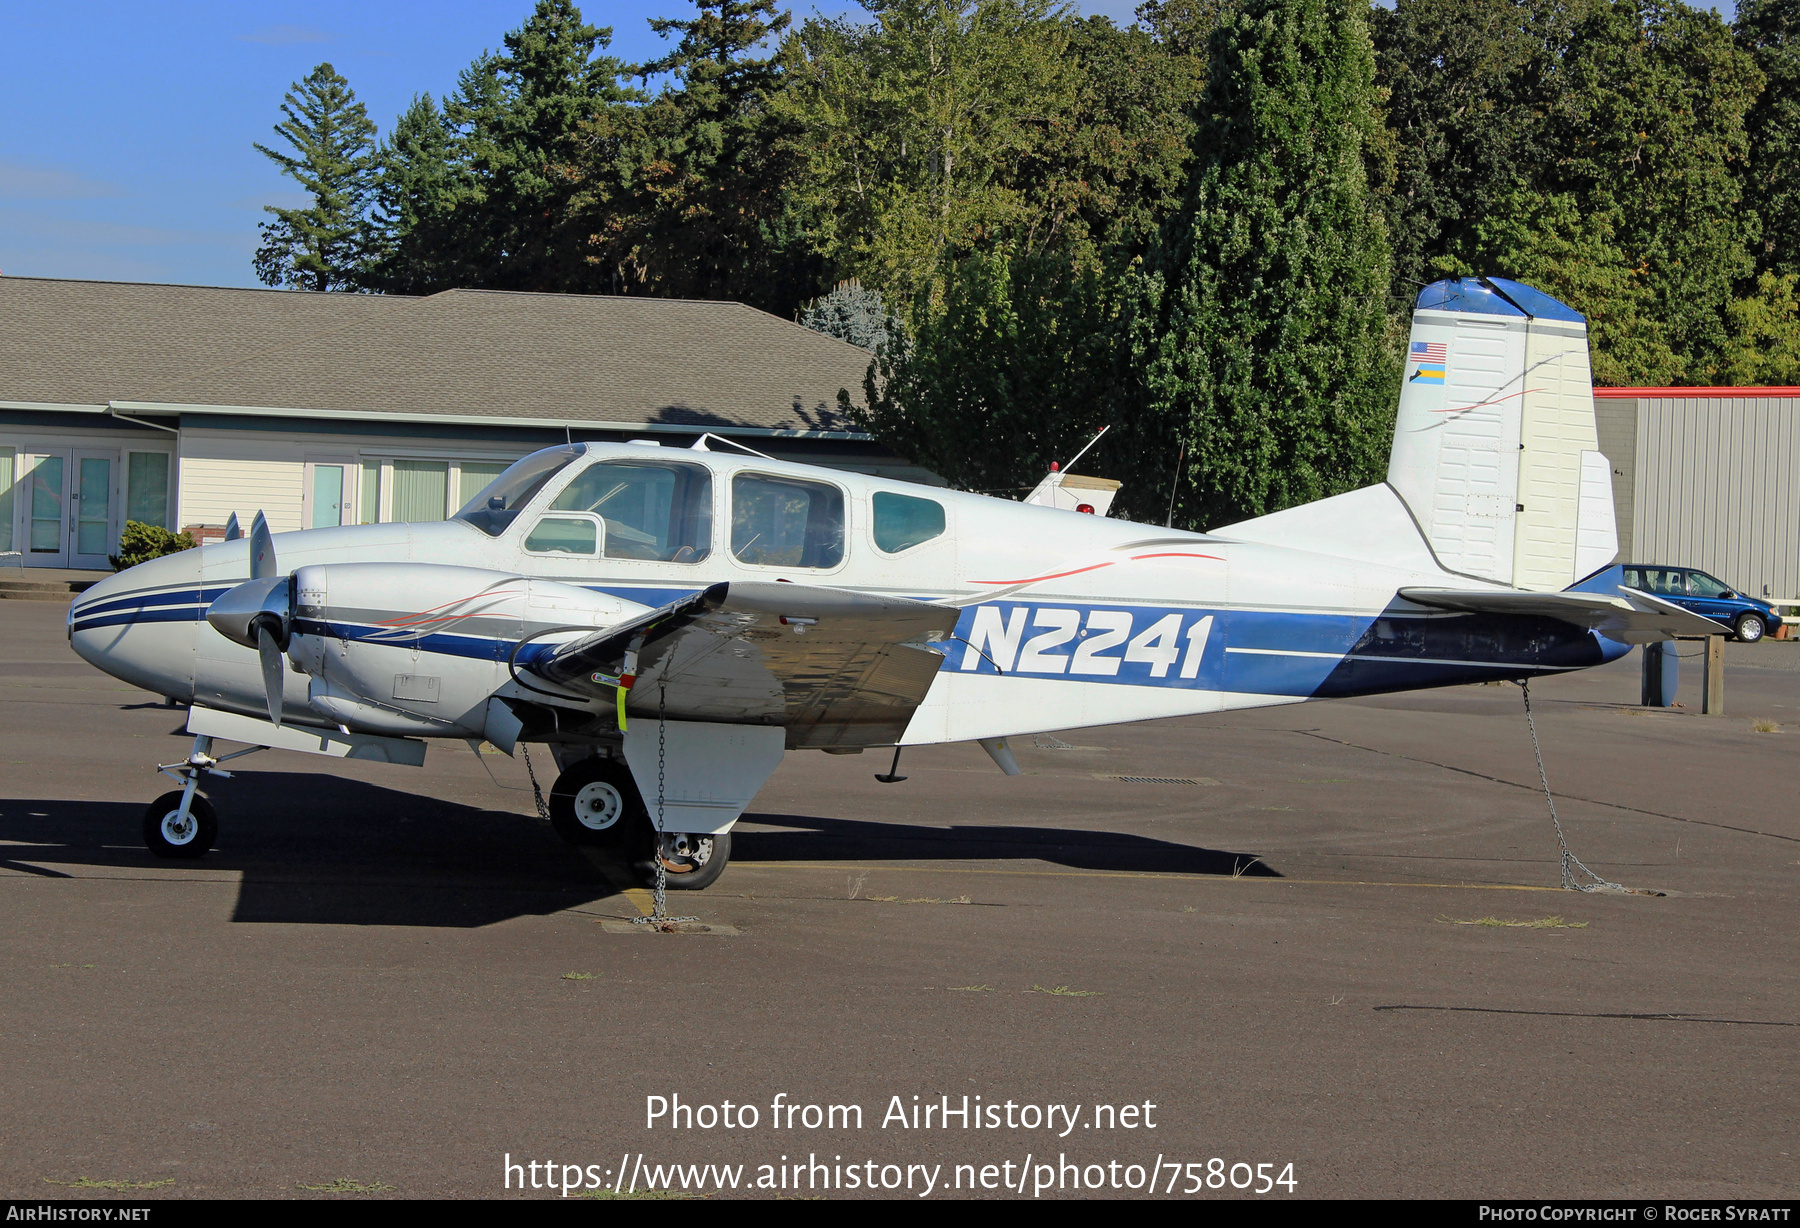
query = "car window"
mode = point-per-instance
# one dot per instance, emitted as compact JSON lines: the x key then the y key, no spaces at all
{"x":785,"y":522}
{"x":902,"y":522}
{"x":1633,"y":578}
{"x":1702,"y":585}
{"x":655,"y":510}
{"x":1664,"y":581}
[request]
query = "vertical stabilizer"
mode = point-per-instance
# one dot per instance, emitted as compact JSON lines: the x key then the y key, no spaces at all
{"x":1495,"y":448}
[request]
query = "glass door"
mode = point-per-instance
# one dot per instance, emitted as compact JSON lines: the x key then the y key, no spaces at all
{"x":46,"y":509}
{"x":329,"y":498}
{"x":94,"y":536}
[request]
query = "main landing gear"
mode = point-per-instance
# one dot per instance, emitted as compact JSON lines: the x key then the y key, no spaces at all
{"x":596,"y":803}
{"x":182,"y":823}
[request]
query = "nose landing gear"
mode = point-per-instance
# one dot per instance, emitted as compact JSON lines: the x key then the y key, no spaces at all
{"x":182,"y":823}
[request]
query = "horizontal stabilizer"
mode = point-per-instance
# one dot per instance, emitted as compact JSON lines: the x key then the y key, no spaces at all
{"x":1631,"y":618}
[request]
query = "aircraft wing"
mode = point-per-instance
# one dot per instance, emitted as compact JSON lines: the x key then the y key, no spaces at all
{"x":1633,"y":617}
{"x":835,"y":668}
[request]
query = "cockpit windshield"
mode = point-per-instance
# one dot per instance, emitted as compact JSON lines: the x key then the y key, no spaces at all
{"x":499,"y":502}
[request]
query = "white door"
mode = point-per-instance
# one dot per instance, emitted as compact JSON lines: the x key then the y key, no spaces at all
{"x":93,"y":527}
{"x":44,"y":518}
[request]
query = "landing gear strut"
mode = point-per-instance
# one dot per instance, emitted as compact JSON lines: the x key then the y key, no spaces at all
{"x":596,"y":803}
{"x":182,"y":823}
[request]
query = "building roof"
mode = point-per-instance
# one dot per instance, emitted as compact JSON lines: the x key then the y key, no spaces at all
{"x":459,"y":354}
{"x":1663,"y":393}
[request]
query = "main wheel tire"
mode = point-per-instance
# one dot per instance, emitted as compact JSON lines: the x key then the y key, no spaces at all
{"x":165,"y":835}
{"x":1750,"y":628}
{"x":690,"y":862}
{"x":595,"y":802}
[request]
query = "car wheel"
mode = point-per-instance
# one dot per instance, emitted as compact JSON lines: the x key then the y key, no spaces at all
{"x":1750,"y":628}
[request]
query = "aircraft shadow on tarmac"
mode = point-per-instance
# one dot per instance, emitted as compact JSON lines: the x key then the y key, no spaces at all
{"x":317,"y":849}
{"x":835,"y":839}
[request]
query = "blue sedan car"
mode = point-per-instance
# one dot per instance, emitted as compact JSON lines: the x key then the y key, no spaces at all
{"x":1690,"y":588}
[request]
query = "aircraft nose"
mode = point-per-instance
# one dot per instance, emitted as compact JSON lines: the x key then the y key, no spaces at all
{"x":140,"y":624}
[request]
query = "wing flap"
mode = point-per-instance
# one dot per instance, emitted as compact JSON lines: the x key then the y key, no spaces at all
{"x":835,"y":668}
{"x":1633,"y":617}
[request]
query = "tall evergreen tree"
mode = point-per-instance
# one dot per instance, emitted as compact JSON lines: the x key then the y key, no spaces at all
{"x":522,"y":122}
{"x":1770,"y":31}
{"x":1274,"y":360}
{"x":320,"y":246}
{"x":715,"y":217}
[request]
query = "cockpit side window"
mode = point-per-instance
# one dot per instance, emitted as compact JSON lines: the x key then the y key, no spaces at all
{"x":902,"y":522}
{"x":497,"y":505}
{"x":786,"y":522}
{"x":660,"y":511}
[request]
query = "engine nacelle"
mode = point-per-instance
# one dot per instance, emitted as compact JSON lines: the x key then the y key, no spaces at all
{"x":419,"y":648}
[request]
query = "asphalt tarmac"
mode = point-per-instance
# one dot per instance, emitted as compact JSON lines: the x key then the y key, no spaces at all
{"x":1336,"y":943}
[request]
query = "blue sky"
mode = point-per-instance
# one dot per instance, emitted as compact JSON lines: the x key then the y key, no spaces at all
{"x":126,"y":128}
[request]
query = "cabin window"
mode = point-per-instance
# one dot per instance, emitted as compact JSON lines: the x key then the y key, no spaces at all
{"x":785,"y":522}
{"x":496,"y":505}
{"x":659,"y":511}
{"x":564,"y":535}
{"x":902,"y":522}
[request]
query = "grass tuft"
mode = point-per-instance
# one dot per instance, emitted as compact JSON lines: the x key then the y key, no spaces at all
{"x":971,"y":988}
{"x":1542,"y":923}
{"x":1764,"y":725}
{"x":343,"y":1185}
{"x":1063,"y":991}
{"x":577,"y":976}
{"x":88,"y":1183}
{"x":653,"y":1195}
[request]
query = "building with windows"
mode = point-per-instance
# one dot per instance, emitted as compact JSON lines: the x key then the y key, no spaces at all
{"x":1707,"y":478}
{"x":183,"y":405}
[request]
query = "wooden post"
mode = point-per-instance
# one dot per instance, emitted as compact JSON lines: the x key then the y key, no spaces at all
{"x":1713,"y":704}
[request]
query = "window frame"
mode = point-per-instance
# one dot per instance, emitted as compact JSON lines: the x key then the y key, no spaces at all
{"x":845,"y":541}
{"x":597,"y":521}
{"x":573,"y":472}
{"x":900,"y":494}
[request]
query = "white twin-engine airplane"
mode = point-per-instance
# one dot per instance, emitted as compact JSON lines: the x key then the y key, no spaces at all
{"x":672,"y":621}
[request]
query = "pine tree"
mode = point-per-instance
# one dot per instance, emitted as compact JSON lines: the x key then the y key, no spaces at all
{"x":1274,"y":360}
{"x":715,"y":219}
{"x":523,"y":134}
{"x":320,"y":247}
{"x":855,"y":314}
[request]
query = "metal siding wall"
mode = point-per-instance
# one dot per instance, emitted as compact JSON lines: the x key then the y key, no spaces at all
{"x":1615,"y":421}
{"x":1715,"y":489}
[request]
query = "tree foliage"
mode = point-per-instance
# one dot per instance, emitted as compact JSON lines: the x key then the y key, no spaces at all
{"x":1205,"y":228}
{"x":318,"y":247}
{"x":1275,"y":356}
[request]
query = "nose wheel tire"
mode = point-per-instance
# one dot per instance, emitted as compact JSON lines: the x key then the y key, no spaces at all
{"x":691,"y":862}
{"x":1750,"y":628}
{"x":168,"y":834}
{"x":595,"y":803}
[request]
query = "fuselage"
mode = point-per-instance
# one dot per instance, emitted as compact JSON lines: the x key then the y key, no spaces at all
{"x":1067,"y":620}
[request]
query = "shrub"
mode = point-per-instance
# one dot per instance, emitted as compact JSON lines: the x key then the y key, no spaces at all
{"x":142,"y":542}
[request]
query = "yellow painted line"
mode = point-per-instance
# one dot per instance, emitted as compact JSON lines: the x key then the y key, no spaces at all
{"x":1173,"y":878}
{"x":641,"y":899}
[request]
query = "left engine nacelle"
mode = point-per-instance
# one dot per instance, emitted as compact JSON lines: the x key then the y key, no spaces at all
{"x":420,"y":648}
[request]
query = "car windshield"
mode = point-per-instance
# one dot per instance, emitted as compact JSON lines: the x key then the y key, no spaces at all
{"x":498,"y":503}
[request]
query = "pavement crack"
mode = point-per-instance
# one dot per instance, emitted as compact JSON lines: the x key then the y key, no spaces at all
{"x":1533,"y":788}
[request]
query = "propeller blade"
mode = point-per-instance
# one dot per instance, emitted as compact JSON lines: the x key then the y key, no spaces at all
{"x":233,"y":530}
{"x":262,"y":550}
{"x":272,"y":668}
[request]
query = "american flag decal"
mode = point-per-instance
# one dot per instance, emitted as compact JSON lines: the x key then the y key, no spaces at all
{"x":1429,"y":351}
